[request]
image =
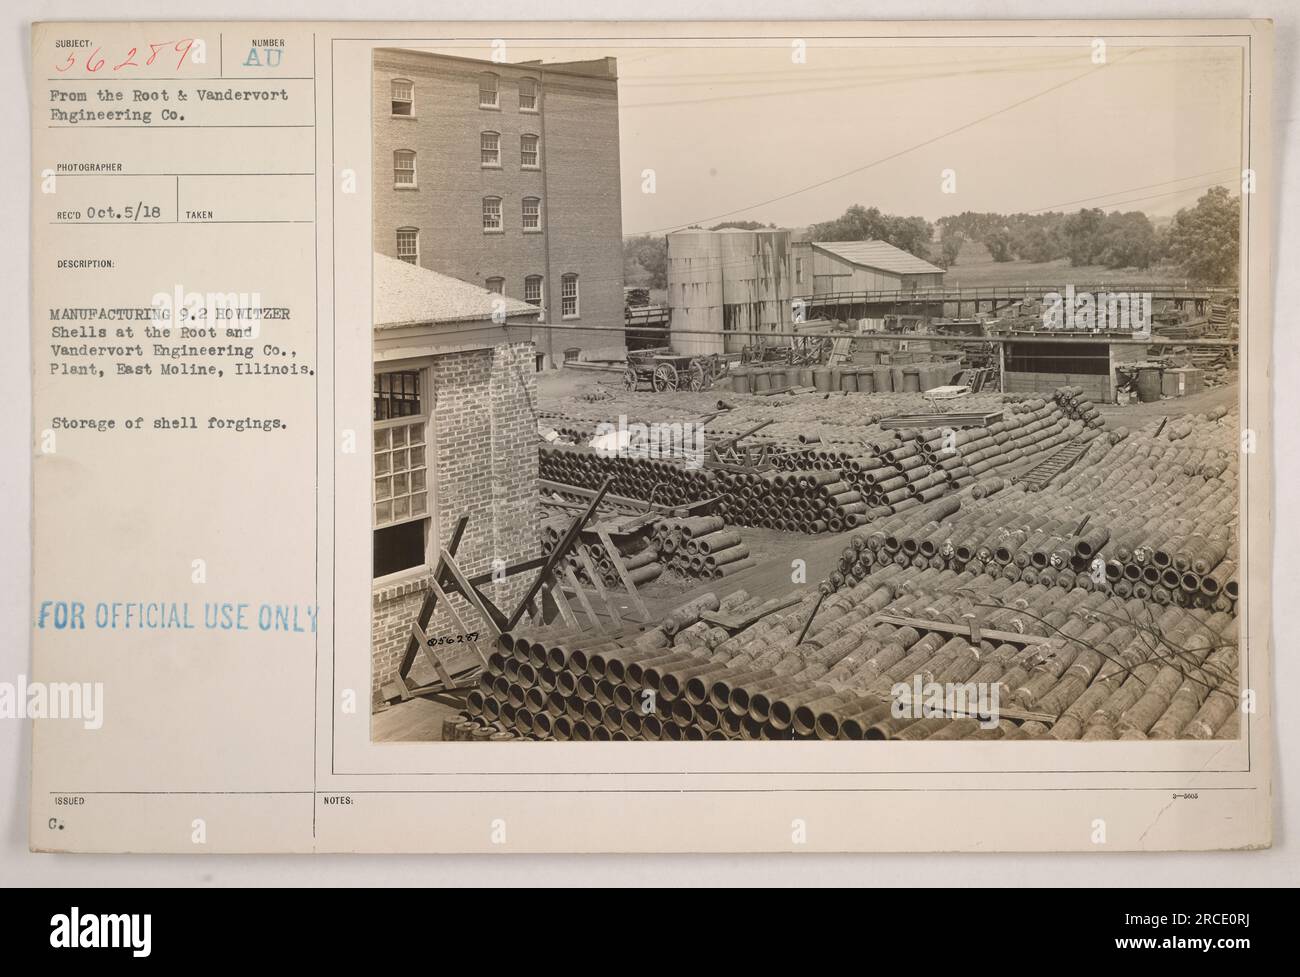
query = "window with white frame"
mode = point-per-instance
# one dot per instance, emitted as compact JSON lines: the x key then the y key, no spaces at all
{"x":529,"y":156}
{"x":533,"y":290}
{"x":492,"y":214}
{"x":488,"y":97}
{"x":798,"y":271}
{"x":569,"y":296}
{"x":408,"y":245}
{"x":527,"y":95}
{"x":496,"y":284}
{"x":401,"y":510}
{"x":489,"y":145}
{"x":404,"y":168}
{"x":403,"y":97}
{"x":532,"y":217}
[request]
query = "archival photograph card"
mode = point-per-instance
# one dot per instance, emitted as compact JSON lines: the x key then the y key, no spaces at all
{"x":651,"y":437}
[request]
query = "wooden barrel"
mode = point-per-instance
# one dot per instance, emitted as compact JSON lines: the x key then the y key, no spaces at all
{"x":1148,"y":384}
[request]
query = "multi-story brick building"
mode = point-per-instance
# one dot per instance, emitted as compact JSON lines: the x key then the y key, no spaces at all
{"x":506,"y":176}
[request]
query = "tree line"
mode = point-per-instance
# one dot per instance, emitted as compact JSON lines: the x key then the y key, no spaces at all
{"x":1201,"y":242}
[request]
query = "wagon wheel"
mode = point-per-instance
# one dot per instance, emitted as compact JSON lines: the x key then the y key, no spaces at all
{"x":629,"y":379}
{"x":665,"y":377}
{"x":700,"y":376}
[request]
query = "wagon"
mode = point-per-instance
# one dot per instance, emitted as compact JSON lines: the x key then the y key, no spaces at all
{"x":671,"y":371}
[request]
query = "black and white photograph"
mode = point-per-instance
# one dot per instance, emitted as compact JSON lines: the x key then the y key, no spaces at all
{"x":923,"y":425}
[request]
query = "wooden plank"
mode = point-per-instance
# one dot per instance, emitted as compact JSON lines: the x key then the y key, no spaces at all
{"x":418,"y":633}
{"x":962,"y":630}
{"x":468,"y":592}
{"x":594,"y":576}
{"x":1004,"y":712}
{"x":562,"y":547}
{"x":456,"y":618}
{"x":581,"y":594}
{"x":561,"y":602}
{"x":616,"y":558}
{"x":753,"y":617}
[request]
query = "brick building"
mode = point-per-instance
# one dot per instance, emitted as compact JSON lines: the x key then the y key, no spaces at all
{"x":505,"y":176}
{"x":453,"y":434}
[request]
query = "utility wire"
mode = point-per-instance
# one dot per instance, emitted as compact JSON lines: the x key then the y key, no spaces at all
{"x":902,"y":152}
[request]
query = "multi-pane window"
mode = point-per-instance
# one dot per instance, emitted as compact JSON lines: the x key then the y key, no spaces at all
{"x":496,"y":285}
{"x":533,"y":290}
{"x":532,"y":214}
{"x":408,"y":245}
{"x":491,"y":213}
{"x":798,"y":271}
{"x":529,"y":158}
{"x":527,"y":95}
{"x":400,"y":505}
{"x":569,"y":296}
{"x":403,"y":97}
{"x":404,"y":168}
{"x":487,"y":91}
{"x":489,"y":146}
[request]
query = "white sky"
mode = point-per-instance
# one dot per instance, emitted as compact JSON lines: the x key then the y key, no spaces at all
{"x":727,"y":130}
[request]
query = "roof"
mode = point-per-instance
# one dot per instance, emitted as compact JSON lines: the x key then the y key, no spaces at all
{"x":408,"y":295}
{"x":878,"y":254}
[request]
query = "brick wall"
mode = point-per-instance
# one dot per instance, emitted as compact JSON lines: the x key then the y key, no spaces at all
{"x":577,"y":184}
{"x":484,"y":453}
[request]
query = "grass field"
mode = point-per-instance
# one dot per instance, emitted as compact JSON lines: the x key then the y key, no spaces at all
{"x":974,"y":267}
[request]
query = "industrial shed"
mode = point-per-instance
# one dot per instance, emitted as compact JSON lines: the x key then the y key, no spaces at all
{"x":829,"y":267}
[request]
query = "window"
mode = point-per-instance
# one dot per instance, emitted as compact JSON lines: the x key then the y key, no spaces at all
{"x":403,"y":97}
{"x":408,"y":245}
{"x":489,"y":145}
{"x":497,"y":285}
{"x":527,"y":95}
{"x":487,"y":91}
{"x":404,"y":168}
{"x":492,"y":214}
{"x":528,"y":155}
{"x":533,"y":290}
{"x":532,"y":214}
{"x":798,"y":271}
{"x":401,"y":511}
{"x":569,"y":296}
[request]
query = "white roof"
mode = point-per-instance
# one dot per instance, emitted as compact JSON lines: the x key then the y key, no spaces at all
{"x":878,"y":254}
{"x":408,"y":295}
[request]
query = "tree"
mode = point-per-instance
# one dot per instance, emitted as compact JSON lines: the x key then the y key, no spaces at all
{"x":999,"y":244}
{"x":860,"y":223}
{"x":1204,"y":240}
{"x":950,"y":247}
{"x":1128,"y":241}
{"x":646,"y":255}
{"x":1083,"y":235}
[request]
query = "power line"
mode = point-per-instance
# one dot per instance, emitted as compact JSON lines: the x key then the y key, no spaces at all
{"x":1148,"y":186}
{"x":901,"y":152}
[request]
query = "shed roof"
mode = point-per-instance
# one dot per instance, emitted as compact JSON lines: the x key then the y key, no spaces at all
{"x":878,"y":254}
{"x":408,"y":295}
